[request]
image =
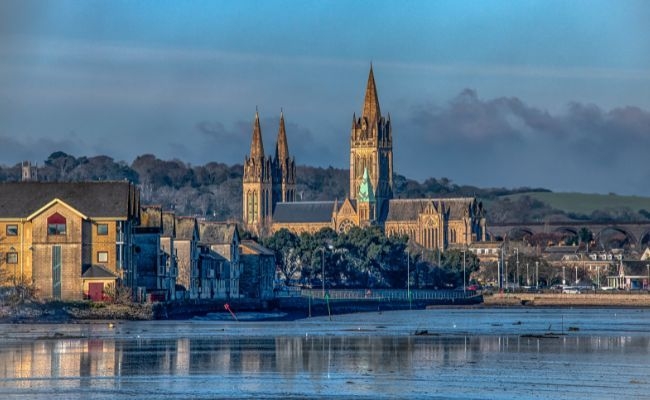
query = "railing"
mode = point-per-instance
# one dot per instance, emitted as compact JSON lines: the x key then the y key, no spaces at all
{"x":378,"y":294}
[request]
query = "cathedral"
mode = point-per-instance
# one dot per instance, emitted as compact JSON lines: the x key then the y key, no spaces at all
{"x":269,"y":191}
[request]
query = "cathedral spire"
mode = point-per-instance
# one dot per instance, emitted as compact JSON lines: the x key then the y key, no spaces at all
{"x":281,"y":146}
{"x":371,"y":102}
{"x":257,"y":147}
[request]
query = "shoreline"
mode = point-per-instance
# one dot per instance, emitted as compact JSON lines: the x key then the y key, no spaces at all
{"x":295,"y":309}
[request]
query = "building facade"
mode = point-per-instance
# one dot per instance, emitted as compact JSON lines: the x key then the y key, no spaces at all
{"x":432,"y":223}
{"x":71,"y":240}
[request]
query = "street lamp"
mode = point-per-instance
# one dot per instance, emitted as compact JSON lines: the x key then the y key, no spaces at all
{"x":408,"y":274}
{"x":536,"y":274}
{"x":527,"y":276}
{"x":517,"y":270}
{"x":464,"y":280}
{"x":322,"y":264}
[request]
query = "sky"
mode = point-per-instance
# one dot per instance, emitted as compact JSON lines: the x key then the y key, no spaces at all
{"x":552,"y":94}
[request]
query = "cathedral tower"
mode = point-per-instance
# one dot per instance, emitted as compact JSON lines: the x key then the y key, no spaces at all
{"x":371,"y":148}
{"x":257,"y":187}
{"x":284,"y":168}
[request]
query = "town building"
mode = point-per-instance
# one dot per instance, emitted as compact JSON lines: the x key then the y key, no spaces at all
{"x":258,"y":270}
{"x":222,"y":240}
{"x":71,"y":240}
{"x":432,"y":223}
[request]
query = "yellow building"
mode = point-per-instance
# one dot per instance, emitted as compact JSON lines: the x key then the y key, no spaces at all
{"x":430,"y":223}
{"x":72,"y":240}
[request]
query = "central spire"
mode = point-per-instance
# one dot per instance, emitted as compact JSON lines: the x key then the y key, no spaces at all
{"x":371,"y":103}
{"x":257,"y":147}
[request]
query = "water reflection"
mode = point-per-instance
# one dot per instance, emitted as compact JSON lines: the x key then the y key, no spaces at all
{"x":312,"y":356}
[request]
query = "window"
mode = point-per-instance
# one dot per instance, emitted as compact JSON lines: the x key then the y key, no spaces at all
{"x":12,"y":230}
{"x":56,"y":224}
{"x":102,"y":256}
{"x":56,"y":272}
{"x":12,"y":258}
{"x":102,"y":229}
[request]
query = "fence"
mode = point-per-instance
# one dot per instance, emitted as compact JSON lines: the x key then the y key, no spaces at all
{"x":387,"y":294}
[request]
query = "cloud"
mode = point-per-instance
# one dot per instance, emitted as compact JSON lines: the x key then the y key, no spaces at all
{"x":505,"y":142}
{"x":14,"y":150}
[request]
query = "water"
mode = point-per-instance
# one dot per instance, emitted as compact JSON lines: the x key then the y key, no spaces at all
{"x":459,"y":354}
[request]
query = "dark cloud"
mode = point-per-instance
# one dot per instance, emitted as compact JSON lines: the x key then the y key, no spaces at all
{"x":14,"y":150}
{"x":505,"y":142}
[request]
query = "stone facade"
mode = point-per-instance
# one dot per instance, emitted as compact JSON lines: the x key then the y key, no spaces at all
{"x":429,"y":223}
{"x":68,"y":238}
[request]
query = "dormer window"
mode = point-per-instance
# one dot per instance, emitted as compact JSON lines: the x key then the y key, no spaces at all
{"x":56,"y":224}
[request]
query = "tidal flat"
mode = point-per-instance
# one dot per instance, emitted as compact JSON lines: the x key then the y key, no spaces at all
{"x":443,"y":353}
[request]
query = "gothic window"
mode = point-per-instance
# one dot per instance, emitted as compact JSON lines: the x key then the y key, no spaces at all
{"x":252,"y":206}
{"x":345,"y":226}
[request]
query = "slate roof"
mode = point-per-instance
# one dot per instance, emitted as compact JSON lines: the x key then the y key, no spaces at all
{"x":304,"y":212}
{"x":252,"y":247}
{"x":409,"y":209}
{"x":97,"y":272}
{"x":211,"y":232}
{"x":93,"y":199}
{"x":185,"y":228}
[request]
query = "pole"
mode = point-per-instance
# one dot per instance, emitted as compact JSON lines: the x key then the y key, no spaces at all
{"x":527,"y":276}
{"x":506,"y":275}
{"x":517,"y":274}
{"x":408,"y":276}
{"x":463,"y":271}
{"x":322,"y":263}
{"x":536,"y":274}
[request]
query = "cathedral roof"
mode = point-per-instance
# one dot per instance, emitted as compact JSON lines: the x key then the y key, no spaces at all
{"x":282,"y":147}
{"x":257,"y":147}
{"x":304,"y":212}
{"x":371,"y":102}
{"x":409,"y":209}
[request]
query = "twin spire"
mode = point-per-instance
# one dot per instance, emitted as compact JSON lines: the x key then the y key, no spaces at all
{"x":257,"y":145}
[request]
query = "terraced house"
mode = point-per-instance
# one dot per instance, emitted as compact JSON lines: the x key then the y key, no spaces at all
{"x":72,"y":240}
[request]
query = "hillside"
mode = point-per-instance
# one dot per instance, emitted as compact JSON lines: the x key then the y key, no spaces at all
{"x":590,"y":206}
{"x":213,"y":190}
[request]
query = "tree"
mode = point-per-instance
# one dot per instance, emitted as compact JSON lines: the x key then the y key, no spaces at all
{"x":286,"y":246}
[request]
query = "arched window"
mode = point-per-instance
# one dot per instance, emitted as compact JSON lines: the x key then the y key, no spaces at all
{"x":56,"y":224}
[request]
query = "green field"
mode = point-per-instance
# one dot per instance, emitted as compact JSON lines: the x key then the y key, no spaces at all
{"x":584,"y":203}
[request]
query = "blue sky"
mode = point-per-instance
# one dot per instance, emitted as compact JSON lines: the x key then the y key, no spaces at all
{"x":488,"y":93}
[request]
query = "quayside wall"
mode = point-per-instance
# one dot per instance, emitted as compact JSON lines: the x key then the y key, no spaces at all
{"x":565,"y":299}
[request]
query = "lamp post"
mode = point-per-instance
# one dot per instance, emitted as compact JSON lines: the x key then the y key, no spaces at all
{"x":408,"y":274}
{"x":322,"y":263}
{"x":464,"y":271}
{"x":536,"y":274}
{"x":505,"y":275}
{"x":527,"y":276}
{"x":517,"y":270}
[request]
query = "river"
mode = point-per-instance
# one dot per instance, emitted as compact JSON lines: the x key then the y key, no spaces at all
{"x":473,"y":353}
